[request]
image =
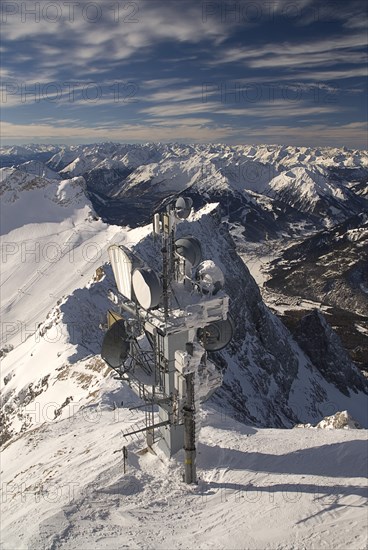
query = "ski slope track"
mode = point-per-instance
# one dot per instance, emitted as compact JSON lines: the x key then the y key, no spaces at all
{"x":279,"y":467}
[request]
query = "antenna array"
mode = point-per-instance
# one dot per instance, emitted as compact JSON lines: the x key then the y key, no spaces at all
{"x":160,"y":348}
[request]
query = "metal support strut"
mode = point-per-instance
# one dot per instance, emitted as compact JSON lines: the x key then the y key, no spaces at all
{"x":190,"y":471}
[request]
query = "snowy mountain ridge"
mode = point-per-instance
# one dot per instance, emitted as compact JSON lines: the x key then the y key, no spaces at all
{"x":267,"y":378}
{"x":276,"y":153}
{"x":63,"y":413}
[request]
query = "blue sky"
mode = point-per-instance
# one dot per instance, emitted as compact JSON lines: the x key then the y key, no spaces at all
{"x":188,"y":71}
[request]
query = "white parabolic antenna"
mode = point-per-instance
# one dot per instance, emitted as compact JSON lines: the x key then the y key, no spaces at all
{"x":183,"y":207}
{"x":190,"y":249}
{"x":210,"y":277}
{"x":147,"y":287}
{"x":123,"y":261}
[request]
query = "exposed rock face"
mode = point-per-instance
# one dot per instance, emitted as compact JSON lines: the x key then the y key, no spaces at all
{"x":338,"y":421}
{"x":264,"y":370}
{"x":268,"y":379}
{"x":322,"y":345}
{"x":331,"y":266}
{"x":14,"y":181}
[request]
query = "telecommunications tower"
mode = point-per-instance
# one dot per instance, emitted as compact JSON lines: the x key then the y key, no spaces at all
{"x":167,"y":321}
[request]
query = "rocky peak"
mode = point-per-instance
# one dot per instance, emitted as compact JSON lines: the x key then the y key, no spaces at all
{"x":324,"y":348}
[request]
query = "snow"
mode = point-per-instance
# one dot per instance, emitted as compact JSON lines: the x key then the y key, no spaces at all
{"x":360,"y":328}
{"x":210,"y":276}
{"x":39,"y":169}
{"x":63,"y":484}
{"x":63,"y":487}
{"x":340,"y":420}
{"x":327,"y":400}
{"x":134,"y":155}
{"x":246,"y":169}
{"x":306,"y":186}
{"x":51,"y":244}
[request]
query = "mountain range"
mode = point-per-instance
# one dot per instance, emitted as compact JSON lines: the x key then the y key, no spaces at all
{"x":288,"y":228}
{"x":49,"y":223}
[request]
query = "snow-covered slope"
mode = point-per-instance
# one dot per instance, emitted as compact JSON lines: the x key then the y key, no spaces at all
{"x":52,"y":246}
{"x":52,"y":243}
{"x":39,"y":169}
{"x":64,"y":486}
{"x":301,"y":186}
{"x":54,"y":322}
{"x":27,"y":198}
{"x":312,"y":190}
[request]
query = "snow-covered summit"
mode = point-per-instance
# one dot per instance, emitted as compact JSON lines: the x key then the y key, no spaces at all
{"x":268,"y":381}
{"x":63,"y":481}
{"x":303,"y":185}
{"x":13,"y":181}
{"x":306,"y":186}
{"x":30,"y":199}
{"x":39,"y":169}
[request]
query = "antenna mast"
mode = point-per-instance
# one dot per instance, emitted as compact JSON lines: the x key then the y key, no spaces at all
{"x":161,"y":351}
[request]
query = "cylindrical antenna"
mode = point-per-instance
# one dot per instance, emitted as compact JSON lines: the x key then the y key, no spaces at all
{"x":156,"y":224}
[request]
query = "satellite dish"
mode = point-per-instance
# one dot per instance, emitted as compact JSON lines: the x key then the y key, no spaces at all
{"x":216,"y":335}
{"x":115,"y":346}
{"x":190,"y":249}
{"x":123,"y":261}
{"x":183,"y":206}
{"x":210,"y":277}
{"x":147,"y":287}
